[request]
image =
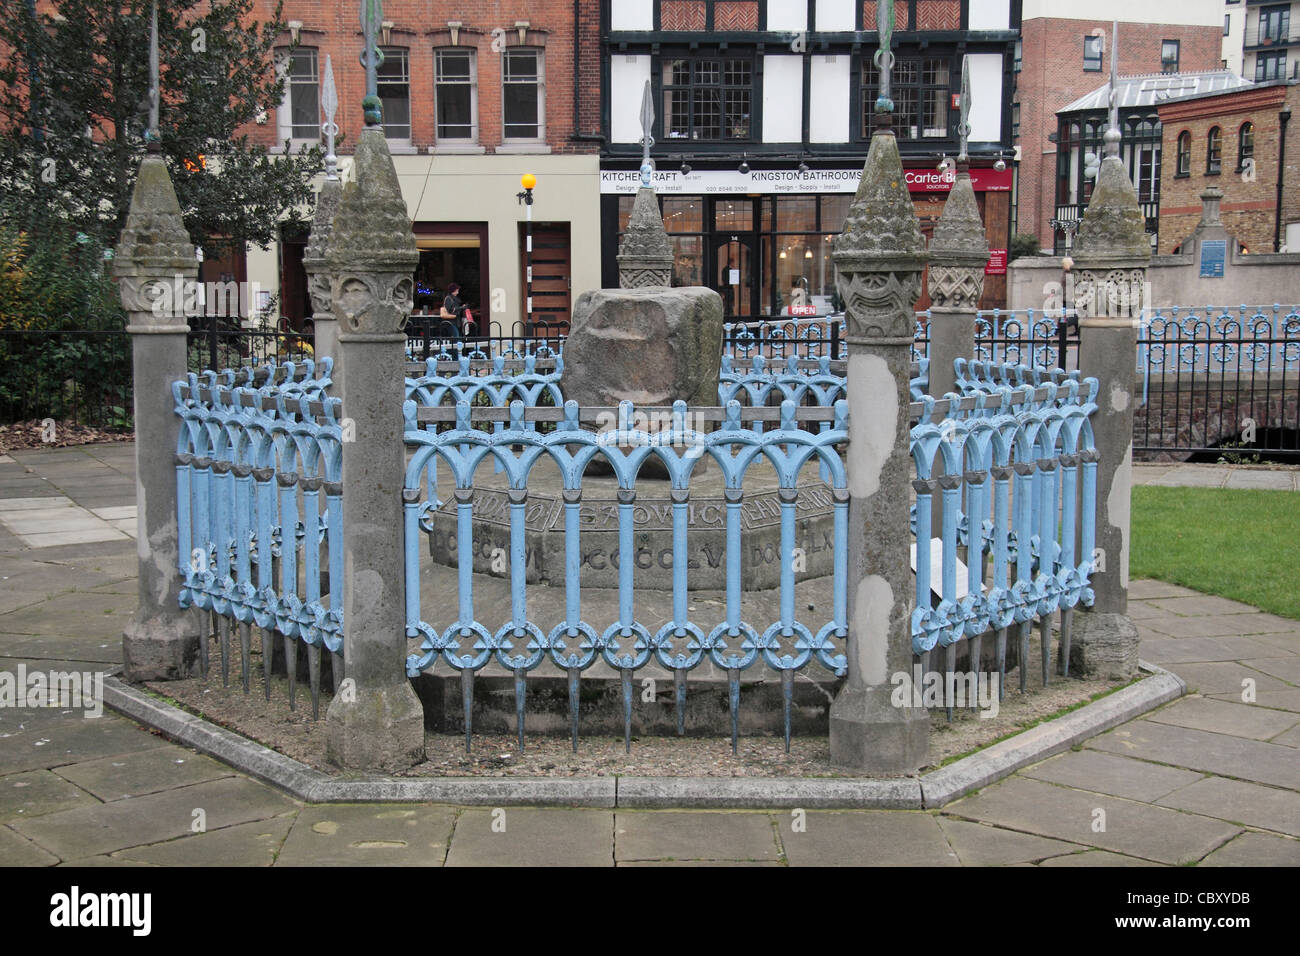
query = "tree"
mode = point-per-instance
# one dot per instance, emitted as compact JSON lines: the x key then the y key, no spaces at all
{"x":74,"y":108}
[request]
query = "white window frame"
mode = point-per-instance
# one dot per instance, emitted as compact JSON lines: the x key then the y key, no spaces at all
{"x":540,"y":138}
{"x":380,"y":83}
{"x":453,"y":141}
{"x":284,"y":115}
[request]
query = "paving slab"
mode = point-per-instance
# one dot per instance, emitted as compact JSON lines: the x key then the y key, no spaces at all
{"x":1221,"y":625}
{"x":1283,"y":698}
{"x":137,"y":821}
{"x":700,"y":863}
{"x":1225,"y":677}
{"x":10,"y":503}
{"x":1097,"y":858}
{"x":1268,"y":808}
{"x":57,"y":743}
{"x":869,"y":838}
{"x":1137,"y":829}
{"x":1115,"y":775}
{"x":17,"y":850}
{"x":1290,"y":739}
{"x":1200,"y":605}
{"x":1178,"y":650}
{"x":1266,"y":480}
{"x":978,"y":844}
{"x":1201,"y":750}
{"x":76,"y":612}
{"x":1223,"y":717}
{"x":37,"y":792}
{"x":1285,"y":667}
{"x":102,"y":860}
{"x":370,"y":835}
{"x":1256,"y":849}
{"x":533,"y":837}
{"x":247,"y":844}
{"x":655,"y":835}
{"x":1144,"y":611}
{"x":83,"y":644}
{"x":147,"y":771}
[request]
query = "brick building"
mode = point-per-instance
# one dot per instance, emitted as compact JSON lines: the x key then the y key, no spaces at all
{"x":476,"y":93}
{"x":1235,"y":141}
{"x":763,"y":121}
{"x":1064,"y":56}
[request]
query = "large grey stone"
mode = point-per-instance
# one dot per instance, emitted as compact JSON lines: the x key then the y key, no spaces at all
{"x":651,"y":346}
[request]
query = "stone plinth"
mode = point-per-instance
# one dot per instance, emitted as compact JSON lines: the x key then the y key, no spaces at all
{"x":653,"y":535}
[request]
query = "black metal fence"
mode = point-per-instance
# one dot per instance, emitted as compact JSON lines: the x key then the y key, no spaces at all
{"x":83,"y":376}
{"x":1220,"y":384}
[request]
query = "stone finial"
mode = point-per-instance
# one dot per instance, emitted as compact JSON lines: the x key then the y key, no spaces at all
{"x":154,"y":246}
{"x":880,"y":254}
{"x":1210,"y":200}
{"x":314,"y":258}
{"x":1113,"y":226}
{"x":959,"y":250}
{"x":371,"y":254}
{"x":645,"y":257}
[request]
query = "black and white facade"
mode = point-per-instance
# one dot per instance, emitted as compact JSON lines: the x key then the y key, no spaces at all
{"x":763,"y":120}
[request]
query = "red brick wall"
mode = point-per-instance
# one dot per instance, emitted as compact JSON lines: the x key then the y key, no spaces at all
{"x":417,"y":24}
{"x":1248,"y":208}
{"x":1052,"y":76}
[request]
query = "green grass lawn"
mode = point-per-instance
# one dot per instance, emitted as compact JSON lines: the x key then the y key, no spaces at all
{"x":1238,"y":544}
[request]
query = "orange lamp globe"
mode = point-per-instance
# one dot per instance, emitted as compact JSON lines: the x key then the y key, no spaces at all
{"x":528,"y":181}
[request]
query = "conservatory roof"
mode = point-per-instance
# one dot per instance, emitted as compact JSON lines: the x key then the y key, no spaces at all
{"x":1152,"y":89}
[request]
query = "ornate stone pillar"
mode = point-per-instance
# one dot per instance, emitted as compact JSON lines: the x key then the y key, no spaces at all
{"x":1111,"y":255}
{"x":959,"y":251}
{"x":879,"y":257}
{"x":154,"y":264}
{"x":645,"y":257}
{"x":377,"y":723}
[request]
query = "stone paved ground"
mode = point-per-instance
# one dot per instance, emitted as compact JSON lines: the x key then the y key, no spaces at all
{"x":1207,"y":779}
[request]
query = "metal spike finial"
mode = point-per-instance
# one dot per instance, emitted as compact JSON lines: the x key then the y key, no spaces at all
{"x":884,"y":57}
{"x":1112,"y":134}
{"x":647,"y":140}
{"x":372,"y":15}
{"x":329,"y":101}
{"x":152,"y":136}
{"x":963,"y":127}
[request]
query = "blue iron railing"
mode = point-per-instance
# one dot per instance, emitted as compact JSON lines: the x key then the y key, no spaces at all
{"x":260,"y":512}
{"x":1006,"y":465}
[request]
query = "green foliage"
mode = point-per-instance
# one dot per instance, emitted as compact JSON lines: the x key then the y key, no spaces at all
{"x":1023,"y":244}
{"x":64,"y":353}
{"x":74,"y":94}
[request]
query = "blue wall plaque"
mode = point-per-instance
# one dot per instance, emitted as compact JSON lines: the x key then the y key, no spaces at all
{"x":1213,"y":254}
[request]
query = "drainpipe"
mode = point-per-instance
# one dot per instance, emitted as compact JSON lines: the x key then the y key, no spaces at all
{"x":1283,"y":118}
{"x":575,"y":135}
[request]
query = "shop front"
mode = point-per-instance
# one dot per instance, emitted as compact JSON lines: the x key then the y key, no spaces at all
{"x":762,"y":238}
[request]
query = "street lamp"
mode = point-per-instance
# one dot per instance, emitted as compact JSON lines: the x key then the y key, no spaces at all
{"x":528,"y":181}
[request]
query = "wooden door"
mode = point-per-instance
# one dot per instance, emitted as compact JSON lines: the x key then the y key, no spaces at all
{"x":552,"y":275}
